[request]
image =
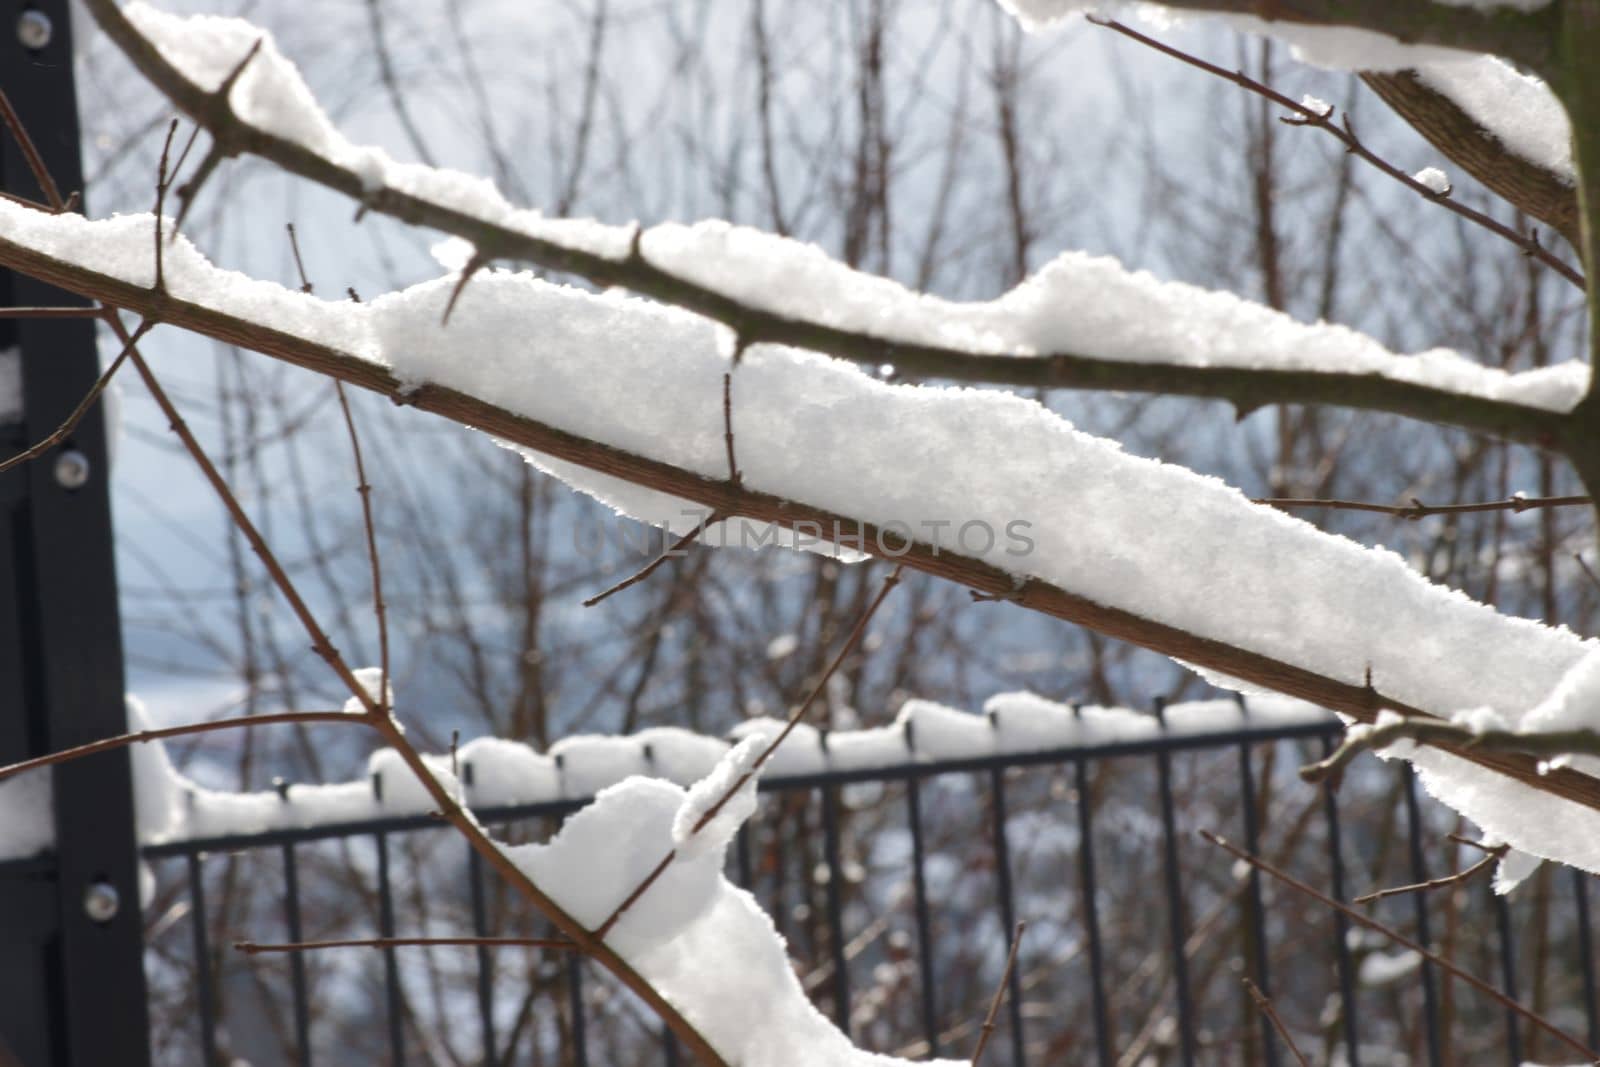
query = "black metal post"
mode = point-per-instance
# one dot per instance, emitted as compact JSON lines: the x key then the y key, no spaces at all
{"x":72,"y":988}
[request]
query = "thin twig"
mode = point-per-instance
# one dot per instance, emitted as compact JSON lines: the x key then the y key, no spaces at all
{"x":474,"y":265}
{"x":675,"y":549}
{"x":51,"y":313}
{"x":61,"y":432}
{"x":854,"y":638}
{"x":139,"y":737}
{"x":163,"y":180}
{"x":254,"y":948}
{"x":987,"y":1029}
{"x":1417,"y":509}
{"x":1466,"y":874}
{"x":1363,"y":919}
{"x":379,"y":609}
{"x":1265,"y":1004}
{"x":734,"y":477}
{"x":1541,"y":744}
{"x":1344,"y":132}
{"x":221,"y":147}
{"x":41,"y":173}
{"x":320,"y":644}
{"x":299,"y":264}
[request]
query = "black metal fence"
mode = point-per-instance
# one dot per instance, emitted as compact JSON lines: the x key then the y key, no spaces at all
{"x":895,"y":889}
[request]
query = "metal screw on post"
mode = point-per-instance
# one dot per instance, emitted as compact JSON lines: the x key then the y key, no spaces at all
{"x":34,"y":29}
{"x":101,"y":902}
{"x":72,"y":469}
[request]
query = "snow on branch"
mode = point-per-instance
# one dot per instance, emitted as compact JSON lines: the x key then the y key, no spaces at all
{"x":623,"y":398}
{"x":1351,"y":34}
{"x":1081,"y":322}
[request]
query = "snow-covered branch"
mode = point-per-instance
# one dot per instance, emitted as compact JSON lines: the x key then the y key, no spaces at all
{"x":1082,"y":322}
{"x":989,"y":490}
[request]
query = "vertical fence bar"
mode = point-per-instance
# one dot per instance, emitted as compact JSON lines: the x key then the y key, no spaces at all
{"x":919,"y":884}
{"x":835,"y":900}
{"x":669,"y":1045}
{"x":1091,"y":913}
{"x":297,"y":960}
{"x":1008,"y":905}
{"x":747,"y":875}
{"x":73,"y":983}
{"x":580,"y":1026}
{"x":391,"y":967}
{"x":1508,"y":975}
{"x":1341,"y":925}
{"x":1580,"y":894}
{"x":1258,"y":921}
{"x":1175,"y":916}
{"x":204,"y":992}
{"x":480,"y":928}
{"x":1419,"y":873}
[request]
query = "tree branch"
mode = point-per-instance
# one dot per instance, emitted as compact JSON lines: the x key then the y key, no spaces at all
{"x":1530,"y":188}
{"x":719,"y":496}
{"x":1246,"y":388}
{"x":1527,"y":37}
{"x":1362,"y":919}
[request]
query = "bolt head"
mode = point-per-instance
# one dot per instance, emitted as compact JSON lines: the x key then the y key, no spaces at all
{"x":101,"y":902}
{"x":34,"y":29}
{"x":72,"y":469}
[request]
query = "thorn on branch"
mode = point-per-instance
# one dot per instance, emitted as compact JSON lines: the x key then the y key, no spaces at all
{"x":474,"y":265}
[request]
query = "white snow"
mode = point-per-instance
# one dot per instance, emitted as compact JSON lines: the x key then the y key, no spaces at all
{"x":1385,"y":968}
{"x":501,"y":773}
{"x":1316,"y":104}
{"x":1520,"y":110}
{"x":1435,"y":179}
{"x":704,"y":944}
{"x":1077,"y":304}
{"x":688,"y":835}
{"x":272,"y":96}
{"x":377,"y":688}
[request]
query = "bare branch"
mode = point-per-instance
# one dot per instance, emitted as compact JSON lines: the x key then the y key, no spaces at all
{"x":1454,"y":737}
{"x":1344,"y":132}
{"x":60,"y":433}
{"x":1466,"y":874}
{"x":1530,"y":188}
{"x":140,"y":737}
{"x":1362,"y":919}
{"x":857,"y":632}
{"x":1246,"y":388}
{"x":987,"y":1030}
{"x":1265,"y":1004}
{"x":30,"y":153}
{"x":254,"y":948}
{"x":674,"y":550}
{"x":1417,"y":509}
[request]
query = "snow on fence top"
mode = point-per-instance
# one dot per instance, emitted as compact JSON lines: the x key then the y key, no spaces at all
{"x":498,"y":773}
